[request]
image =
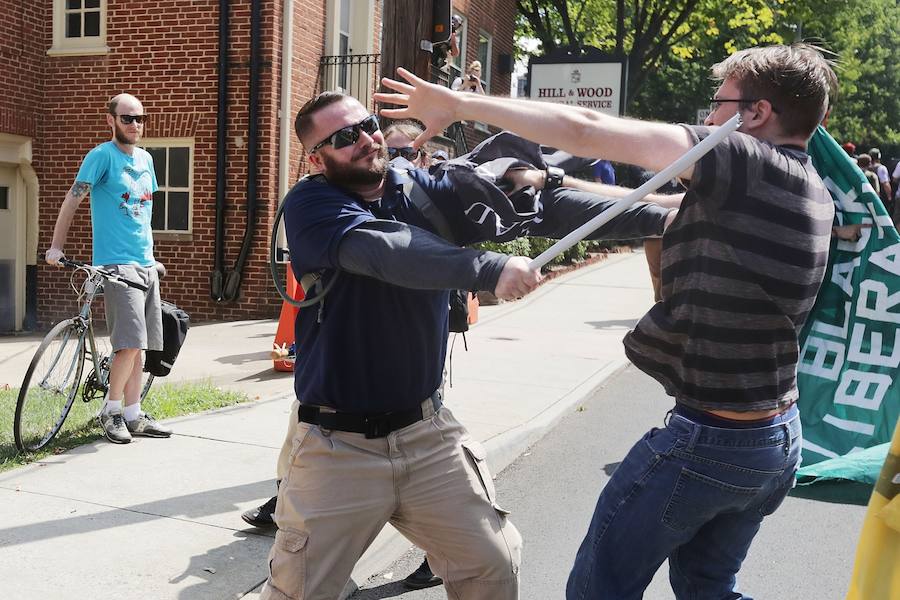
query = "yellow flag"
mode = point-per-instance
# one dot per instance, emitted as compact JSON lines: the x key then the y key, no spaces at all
{"x":876,"y":574}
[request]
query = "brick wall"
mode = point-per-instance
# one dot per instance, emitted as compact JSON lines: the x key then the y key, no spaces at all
{"x":166,"y":54}
{"x":21,"y":55}
{"x":496,"y":18}
{"x":308,"y":46}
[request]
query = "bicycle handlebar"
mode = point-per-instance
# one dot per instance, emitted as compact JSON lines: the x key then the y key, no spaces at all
{"x":106,"y":274}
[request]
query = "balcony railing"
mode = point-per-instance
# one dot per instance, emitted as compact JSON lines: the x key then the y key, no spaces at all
{"x":353,"y":74}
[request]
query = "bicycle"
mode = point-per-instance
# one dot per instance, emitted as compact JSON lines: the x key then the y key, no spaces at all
{"x":53,"y":378}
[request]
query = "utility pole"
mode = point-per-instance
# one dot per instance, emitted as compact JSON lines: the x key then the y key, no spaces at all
{"x":406,"y":24}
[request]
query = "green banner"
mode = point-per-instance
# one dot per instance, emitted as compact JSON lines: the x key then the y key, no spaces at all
{"x":850,"y":347}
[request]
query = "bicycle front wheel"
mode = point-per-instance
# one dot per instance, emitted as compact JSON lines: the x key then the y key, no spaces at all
{"x":50,"y":385}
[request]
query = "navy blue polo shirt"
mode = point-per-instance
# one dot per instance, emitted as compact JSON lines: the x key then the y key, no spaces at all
{"x":370,"y":347}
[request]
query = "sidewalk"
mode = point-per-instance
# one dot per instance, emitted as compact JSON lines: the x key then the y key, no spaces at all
{"x":159,"y":519}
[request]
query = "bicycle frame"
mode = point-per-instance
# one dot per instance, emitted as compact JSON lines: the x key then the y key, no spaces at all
{"x":94,"y":286}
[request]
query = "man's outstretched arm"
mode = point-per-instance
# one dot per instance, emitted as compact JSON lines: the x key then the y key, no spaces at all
{"x":581,"y":131}
{"x":407,"y":256}
{"x":578,"y":201}
{"x":536,"y":178}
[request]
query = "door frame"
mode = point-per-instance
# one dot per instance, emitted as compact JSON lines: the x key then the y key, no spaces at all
{"x":16,"y":155}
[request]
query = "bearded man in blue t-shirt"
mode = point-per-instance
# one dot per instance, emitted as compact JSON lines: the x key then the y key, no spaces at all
{"x":121,"y":180}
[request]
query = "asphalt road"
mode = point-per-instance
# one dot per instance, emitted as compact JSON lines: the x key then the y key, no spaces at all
{"x":804,"y":551}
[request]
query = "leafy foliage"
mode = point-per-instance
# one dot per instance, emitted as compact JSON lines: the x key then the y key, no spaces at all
{"x":532,"y":247}
{"x":672,"y":45}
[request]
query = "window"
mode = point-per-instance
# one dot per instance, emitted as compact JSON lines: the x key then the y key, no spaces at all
{"x":485,"y":49}
{"x":4,"y":198}
{"x":173,"y":161}
{"x":457,"y":63}
{"x":79,"y":27}
{"x":344,"y":42}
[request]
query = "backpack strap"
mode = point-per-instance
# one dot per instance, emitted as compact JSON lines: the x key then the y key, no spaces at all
{"x":421,"y":200}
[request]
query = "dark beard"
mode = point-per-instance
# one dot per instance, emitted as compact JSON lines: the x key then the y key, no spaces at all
{"x":122,"y":138}
{"x":353,"y":176}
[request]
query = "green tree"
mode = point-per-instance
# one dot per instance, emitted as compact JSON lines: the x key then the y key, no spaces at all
{"x":672,"y":45}
{"x":652,"y":34}
{"x":863,"y":34}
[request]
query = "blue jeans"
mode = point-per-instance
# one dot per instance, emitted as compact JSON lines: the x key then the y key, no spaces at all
{"x":694,"y":493}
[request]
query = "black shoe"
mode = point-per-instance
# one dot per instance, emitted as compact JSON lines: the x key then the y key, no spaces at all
{"x":422,"y":578}
{"x":261,"y":516}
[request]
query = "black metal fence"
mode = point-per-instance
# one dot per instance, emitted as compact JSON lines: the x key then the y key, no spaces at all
{"x":357,"y":75}
{"x":352,"y":74}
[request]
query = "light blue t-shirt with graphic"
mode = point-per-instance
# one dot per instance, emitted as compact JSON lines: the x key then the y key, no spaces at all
{"x":122,"y":189}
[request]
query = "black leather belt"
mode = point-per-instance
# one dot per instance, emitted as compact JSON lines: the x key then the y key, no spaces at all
{"x":376,"y":425}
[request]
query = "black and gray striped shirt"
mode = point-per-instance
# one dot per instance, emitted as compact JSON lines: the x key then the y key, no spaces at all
{"x":741,"y":267}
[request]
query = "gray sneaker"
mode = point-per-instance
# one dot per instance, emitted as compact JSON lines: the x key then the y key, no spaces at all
{"x":114,"y":427}
{"x":147,"y":426}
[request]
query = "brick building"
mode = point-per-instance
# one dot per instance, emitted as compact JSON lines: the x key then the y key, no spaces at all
{"x":60,"y":60}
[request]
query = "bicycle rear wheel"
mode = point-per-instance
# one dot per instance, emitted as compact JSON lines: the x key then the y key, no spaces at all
{"x":50,"y":385}
{"x":145,"y":388}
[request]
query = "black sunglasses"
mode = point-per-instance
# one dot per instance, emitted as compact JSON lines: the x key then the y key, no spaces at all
{"x":129,"y":119}
{"x":407,"y":152}
{"x":347,"y":136}
{"x":715,"y":103}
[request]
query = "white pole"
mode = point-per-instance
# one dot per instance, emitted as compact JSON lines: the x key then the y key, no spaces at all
{"x":680,"y":164}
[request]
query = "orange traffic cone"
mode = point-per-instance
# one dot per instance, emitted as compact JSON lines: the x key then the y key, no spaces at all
{"x":282,"y":355}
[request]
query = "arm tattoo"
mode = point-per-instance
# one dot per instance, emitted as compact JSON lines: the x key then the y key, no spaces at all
{"x":80,"y":189}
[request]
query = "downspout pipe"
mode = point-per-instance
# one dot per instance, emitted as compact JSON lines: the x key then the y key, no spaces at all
{"x":233,"y":282}
{"x":217,"y":277}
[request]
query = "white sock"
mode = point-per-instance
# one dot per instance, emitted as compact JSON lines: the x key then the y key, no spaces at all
{"x":112,"y":406}
{"x":132,"y":411}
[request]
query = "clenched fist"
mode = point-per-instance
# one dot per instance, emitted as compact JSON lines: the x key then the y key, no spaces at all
{"x":516,"y":279}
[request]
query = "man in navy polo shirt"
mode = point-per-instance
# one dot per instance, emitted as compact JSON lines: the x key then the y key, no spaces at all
{"x":374,"y":444}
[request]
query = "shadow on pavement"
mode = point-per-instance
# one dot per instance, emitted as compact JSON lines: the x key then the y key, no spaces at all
{"x":242,"y":359}
{"x":220,"y":573}
{"x":613,"y":324}
{"x":269,"y":374}
{"x":388,"y":590}
{"x":187,"y":507}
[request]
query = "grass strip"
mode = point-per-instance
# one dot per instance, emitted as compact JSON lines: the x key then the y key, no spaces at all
{"x":164,"y":401}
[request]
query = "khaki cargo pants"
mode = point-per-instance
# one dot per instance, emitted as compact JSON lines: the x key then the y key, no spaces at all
{"x":429,"y":480}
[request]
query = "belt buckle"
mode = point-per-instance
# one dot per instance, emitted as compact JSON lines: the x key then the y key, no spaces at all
{"x":378,"y":426}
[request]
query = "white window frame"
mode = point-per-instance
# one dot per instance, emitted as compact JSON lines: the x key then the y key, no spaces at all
{"x":362,"y":29}
{"x":486,"y":70}
{"x":81,"y":46}
{"x":342,"y":36}
{"x":163,"y":186}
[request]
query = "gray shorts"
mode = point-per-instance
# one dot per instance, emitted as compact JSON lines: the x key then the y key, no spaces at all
{"x":134,"y":317}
